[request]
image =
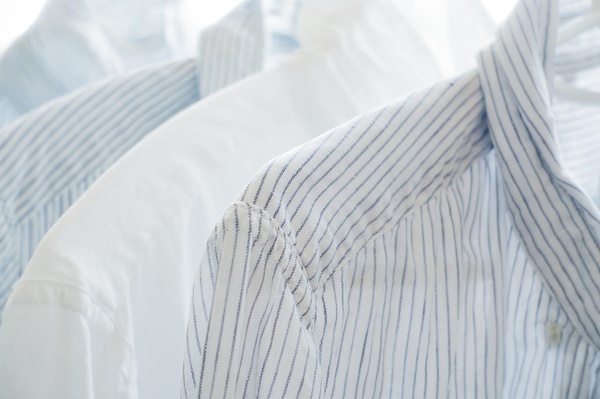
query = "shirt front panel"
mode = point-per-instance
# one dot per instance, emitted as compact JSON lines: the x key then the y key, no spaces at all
{"x":556,"y":220}
{"x":446,"y":303}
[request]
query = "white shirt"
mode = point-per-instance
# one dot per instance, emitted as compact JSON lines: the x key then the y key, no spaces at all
{"x":109,"y":286}
{"x":49,"y":157}
{"x":77,"y":42}
{"x":444,"y":245}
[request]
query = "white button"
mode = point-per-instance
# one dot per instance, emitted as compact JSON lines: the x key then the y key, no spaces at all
{"x":553,"y":333}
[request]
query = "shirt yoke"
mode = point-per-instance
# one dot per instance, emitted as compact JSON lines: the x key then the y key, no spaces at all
{"x":337,"y":193}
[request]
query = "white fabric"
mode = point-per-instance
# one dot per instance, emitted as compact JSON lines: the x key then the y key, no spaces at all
{"x":453,"y":29}
{"x":114,"y":275}
{"x":444,"y":245}
{"x":50,"y":156}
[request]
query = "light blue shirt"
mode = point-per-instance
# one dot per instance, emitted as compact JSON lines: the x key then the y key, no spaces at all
{"x":49,"y":157}
{"x":77,"y":42}
{"x":444,"y":245}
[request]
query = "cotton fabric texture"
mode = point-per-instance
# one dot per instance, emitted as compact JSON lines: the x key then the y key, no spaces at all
{"x":109,"y":286}
{"x":443,"y":245}
{"x":75,"y":43}
{"x":50,"y":157}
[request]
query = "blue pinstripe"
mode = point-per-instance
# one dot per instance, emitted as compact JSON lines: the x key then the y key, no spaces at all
{"x":452,"y":205}
{"x":49,"y":157}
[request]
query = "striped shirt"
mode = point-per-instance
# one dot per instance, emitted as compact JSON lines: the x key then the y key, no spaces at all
{"x":116,"y":270}
{"x":49,"y":157}
{"x":434,"y":247}
{"x":74,"y":43}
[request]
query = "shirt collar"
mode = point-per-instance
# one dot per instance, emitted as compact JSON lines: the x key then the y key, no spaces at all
{"x":556,"y":221}
{"x":244,"y":41}
{"x":232,"y":48}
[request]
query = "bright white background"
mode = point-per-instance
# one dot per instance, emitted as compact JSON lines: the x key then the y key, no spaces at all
{"x":17,"y":15}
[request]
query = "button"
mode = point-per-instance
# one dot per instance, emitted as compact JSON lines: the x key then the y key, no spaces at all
{"x":553,"y":333}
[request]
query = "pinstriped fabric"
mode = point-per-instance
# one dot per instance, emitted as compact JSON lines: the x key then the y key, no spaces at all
{"x":557,"y":222}
{"x":420,"y":272}
{"x":50,"y":157}
{"x":280,"y":323}
{"x":53,"y":155}
{"x":279,"y":41}
{"x":230,"y":39}
{"x":75,"y":43}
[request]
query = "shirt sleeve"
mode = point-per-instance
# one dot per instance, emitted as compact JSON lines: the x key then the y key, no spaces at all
{"x":249,"y":331}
